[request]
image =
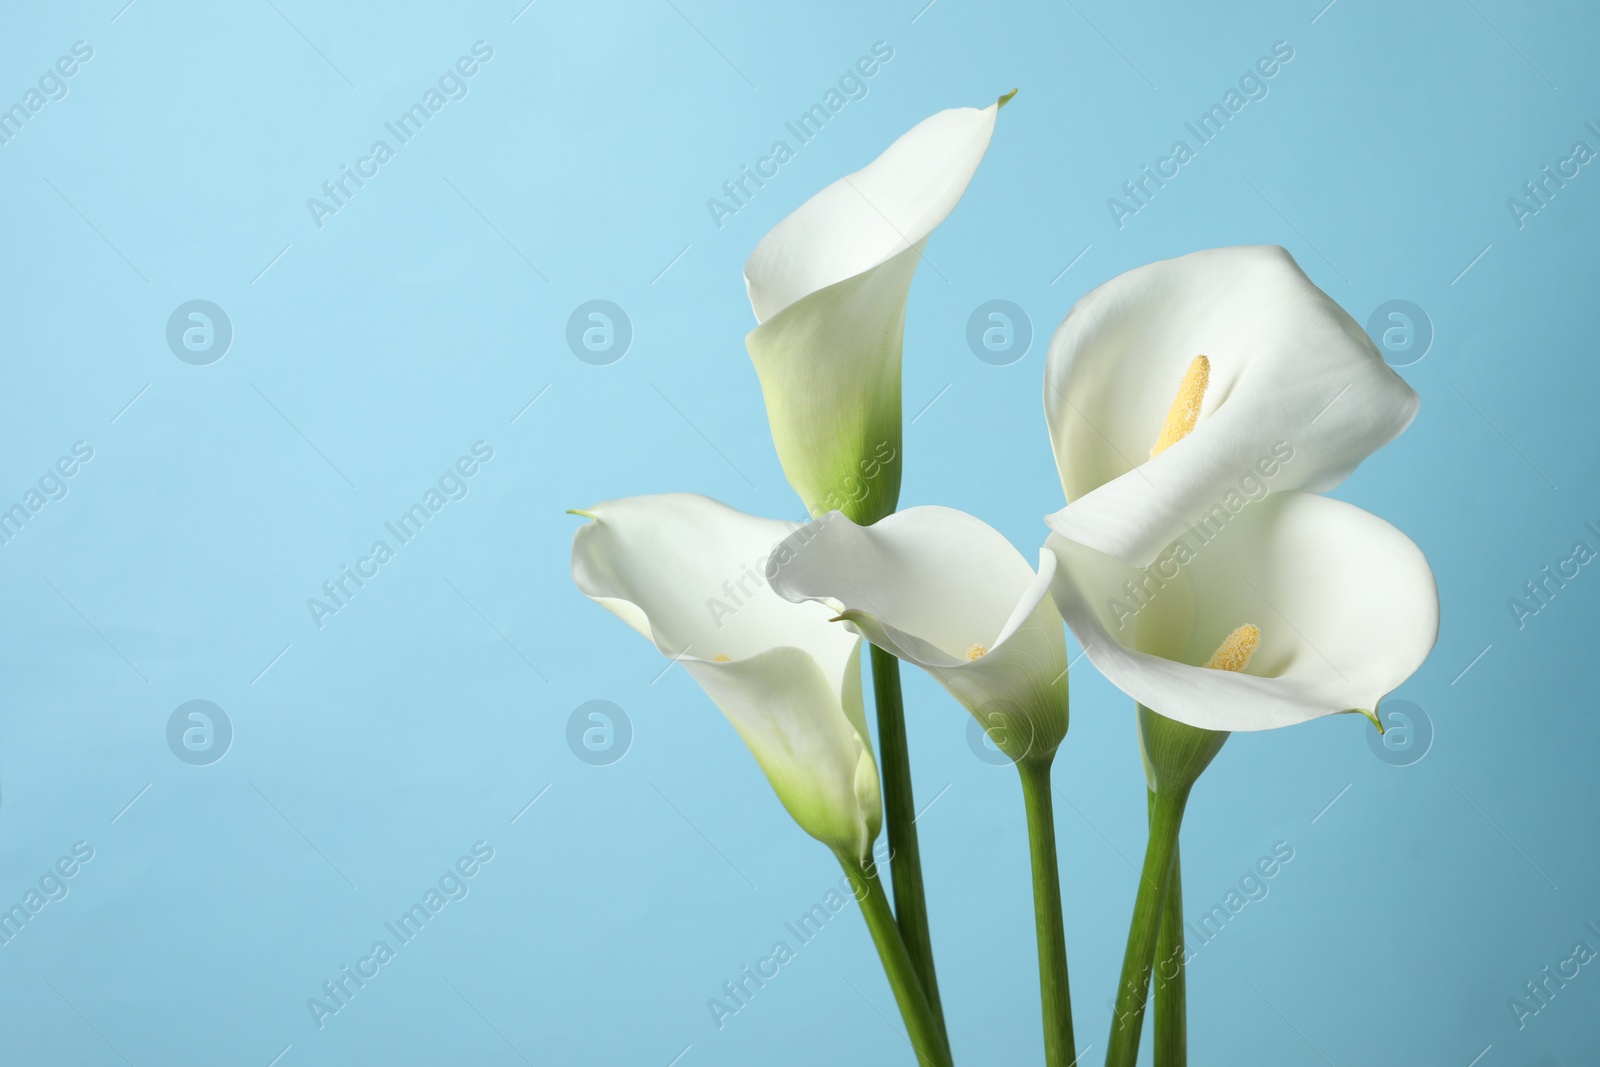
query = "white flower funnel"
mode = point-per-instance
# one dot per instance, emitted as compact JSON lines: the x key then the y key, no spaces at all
{"x":939,"y":588}
{"x":1289,"y":373}
{"x":685,"y":571}
{"x":1345,"y":605}
{"x":828,"y":286}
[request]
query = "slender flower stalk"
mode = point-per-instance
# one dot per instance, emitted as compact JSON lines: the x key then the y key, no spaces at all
{"x":786,"y":678}
{"x":925,"y":1032}
{"x":1351,"y":603}
{"x":1175,"y":755}
{"x":1166,"y":816}
{"x":941,"y":589}
{"x":1172,"y":1014}
{"x":828,"y":286}
{"x":1055,"y":998}
{"x":900,"y":815}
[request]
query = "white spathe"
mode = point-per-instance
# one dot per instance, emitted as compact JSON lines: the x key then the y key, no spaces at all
{"x":828,"y":286}
{"x":941,"y":589}
{"x":1346,"y":605}
{"x":685,"y":571}
{"x":1288,"y":366}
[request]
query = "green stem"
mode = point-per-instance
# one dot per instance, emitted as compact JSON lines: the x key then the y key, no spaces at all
{"x":1172,"y":1013}
{"x":1054,"y":994}
{"x":926,"y":1036}
{"x":1166,"y":815}
{"x":900,"y":813}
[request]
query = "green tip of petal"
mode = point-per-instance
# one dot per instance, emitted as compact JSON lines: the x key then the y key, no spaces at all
{"x":1371,"y":717}
{"x":585,"y":514}
{"x":1004,"y":100}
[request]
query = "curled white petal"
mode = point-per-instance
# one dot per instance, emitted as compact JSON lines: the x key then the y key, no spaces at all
{"x":1346,"y":605}
{"x":867,"y":218}
{"x":1291,"y":373}
{"x":941,"y":589}
{"x":686,"y":572}
{"x":828,"y":286}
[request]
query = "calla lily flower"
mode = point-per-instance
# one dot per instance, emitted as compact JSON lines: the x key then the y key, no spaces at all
{"x":828,"y":286}
{"x":685,"y":571}
{"x":943,"y":590}
{"x":1339,"y":608}
{"x":1286,"y":373}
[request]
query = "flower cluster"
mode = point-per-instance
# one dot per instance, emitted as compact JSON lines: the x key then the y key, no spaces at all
{"x":1198,"y":409}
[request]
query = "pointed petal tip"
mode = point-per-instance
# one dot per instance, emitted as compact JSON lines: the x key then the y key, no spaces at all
{"x":585,"y":514}
{"x":1370,"y":716}
{"x":1004,"y":100}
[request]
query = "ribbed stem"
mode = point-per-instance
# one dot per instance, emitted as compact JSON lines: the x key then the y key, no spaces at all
{"x":900,"y":813}
{"x":1054,"y":993}
{"x":1172,"y":1013}
{"x":1166,"y":815}
{"x":927,"y":1038}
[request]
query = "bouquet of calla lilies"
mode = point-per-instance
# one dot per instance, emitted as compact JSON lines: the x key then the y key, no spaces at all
{"x":1197,"y":407}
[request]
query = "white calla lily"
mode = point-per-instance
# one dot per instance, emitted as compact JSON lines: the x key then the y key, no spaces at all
{"x":1290,"y":374}
{"x":1345,"y":605}
{"x":943,"y":590}
{"x":828,"y":286}
{"x":685,"y":571}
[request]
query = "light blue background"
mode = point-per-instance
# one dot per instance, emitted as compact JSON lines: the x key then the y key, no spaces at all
{"x":426,"y":315}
